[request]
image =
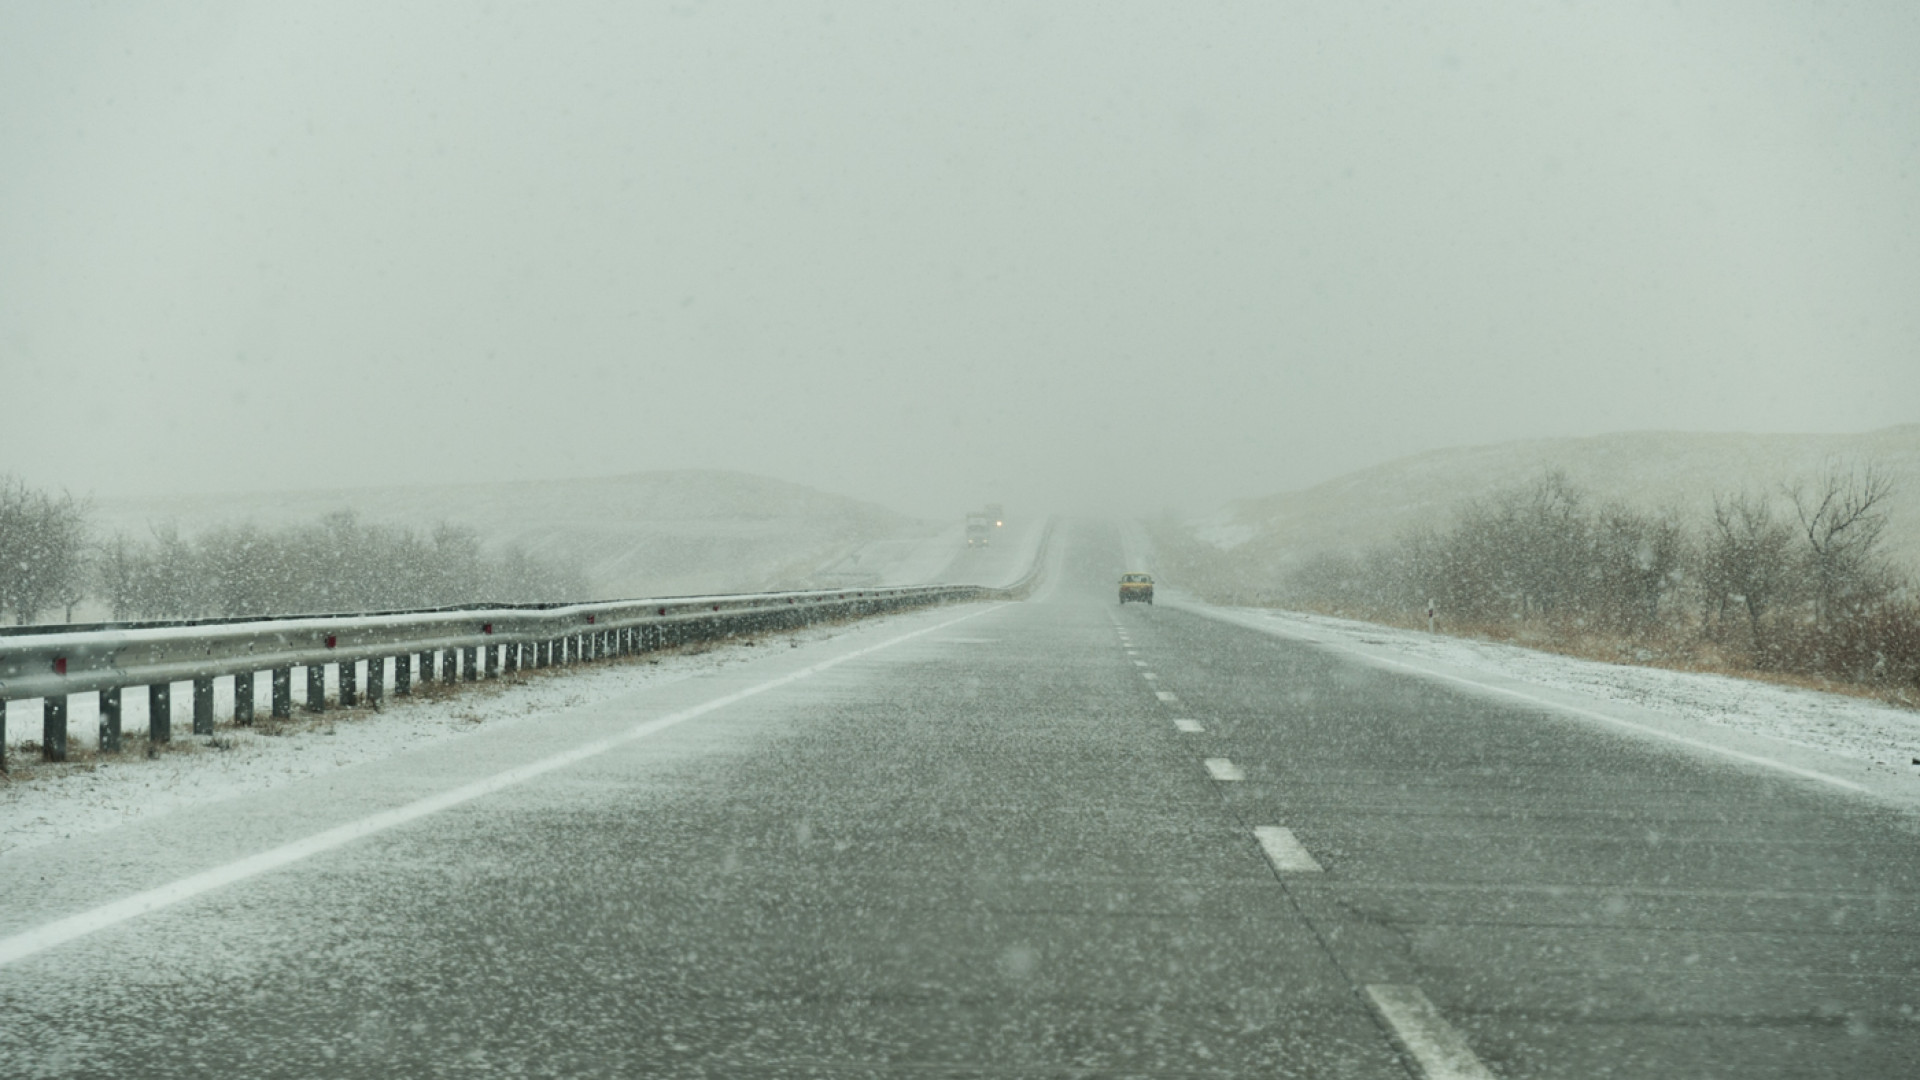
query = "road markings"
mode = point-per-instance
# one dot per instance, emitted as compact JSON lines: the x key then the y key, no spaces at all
{"x":1285,"y":852}
{"x":1138,"y":663}
{"x":1222,"y":769}
{"x":1434,"y":1045}
{"x":1165,"y":695}
{"x":1189,"y":726}
{"x":1149,"y":676}
{"x":60,"y":931}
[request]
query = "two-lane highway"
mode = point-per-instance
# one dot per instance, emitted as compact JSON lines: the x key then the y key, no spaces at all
{"x":1057,"y":838}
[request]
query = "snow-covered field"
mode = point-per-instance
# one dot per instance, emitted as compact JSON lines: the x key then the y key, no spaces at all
{"x":1760,"y":720}
{"x":42,"y":804}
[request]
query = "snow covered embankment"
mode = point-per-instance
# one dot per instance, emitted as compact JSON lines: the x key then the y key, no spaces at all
{"x":1848,"y":742}
{"x":41,"y":804}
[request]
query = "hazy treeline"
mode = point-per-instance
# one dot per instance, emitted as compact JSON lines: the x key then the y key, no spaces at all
{"x":50,"y":561}
{"x":1792,"y":580}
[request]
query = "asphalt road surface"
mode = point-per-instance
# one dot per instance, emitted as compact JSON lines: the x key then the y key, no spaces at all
{"x":1053,"y":838}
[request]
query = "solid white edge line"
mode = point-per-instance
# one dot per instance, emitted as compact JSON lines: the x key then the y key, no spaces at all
{"x":1224,"y":769}
{"x":46,"y":936}
{"x":1590,"y":714}
{"x":1440,"y":1051}
{"x":1285,"y":851}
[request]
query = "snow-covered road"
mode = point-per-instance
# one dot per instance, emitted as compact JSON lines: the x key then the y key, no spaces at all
{"x":42,"y":804}
{"x":1867,"y":740}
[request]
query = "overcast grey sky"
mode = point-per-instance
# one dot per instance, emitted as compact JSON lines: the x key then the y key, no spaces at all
{"x":1082,"y":255}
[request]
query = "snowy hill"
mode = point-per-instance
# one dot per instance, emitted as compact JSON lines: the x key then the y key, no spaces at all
{"x":1643,"y":469}
{"x":645,"y":534}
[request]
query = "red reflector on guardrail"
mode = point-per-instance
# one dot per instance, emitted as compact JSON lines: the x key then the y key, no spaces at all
{"x":486,"y":628}
{"x":663,"y":611}
{"x":590,"y":619}
{"x":60,"y":666}
{"x":716,"y":607}
{"x":332,"y":641}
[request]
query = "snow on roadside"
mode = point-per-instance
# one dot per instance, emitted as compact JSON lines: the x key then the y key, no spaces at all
{"x":1833,"y":723}
{"x":42,"y":804}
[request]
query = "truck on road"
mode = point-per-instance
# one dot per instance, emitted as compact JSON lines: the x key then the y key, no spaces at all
{"x":979,"y":529}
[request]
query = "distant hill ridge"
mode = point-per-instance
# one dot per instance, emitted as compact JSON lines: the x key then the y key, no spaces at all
{"x":1641,"y":469}
{"x":642,"y":534}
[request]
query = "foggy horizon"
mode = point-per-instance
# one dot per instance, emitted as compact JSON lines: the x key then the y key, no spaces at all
{"x":1082,"y":258}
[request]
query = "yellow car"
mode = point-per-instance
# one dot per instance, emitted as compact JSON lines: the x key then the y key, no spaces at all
{"x":1136,"y":587}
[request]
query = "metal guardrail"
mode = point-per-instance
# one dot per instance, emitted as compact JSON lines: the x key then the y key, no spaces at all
{"x":468,"y":643}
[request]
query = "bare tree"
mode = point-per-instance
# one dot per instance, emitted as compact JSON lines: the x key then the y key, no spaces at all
{"x":1748,"y":559}
{"x":43,"y":541}
{"x":1842,"y":520}
{"x":117,"y":572}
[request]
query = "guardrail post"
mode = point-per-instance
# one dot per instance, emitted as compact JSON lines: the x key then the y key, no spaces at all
{"x":203,"y":705}
{"x":493,"y":659}
{"x":376,"y":679}
{"x":53,"y":728}
{"x":110,"y":720}
{"x":282,"y":692}
{"x":403,"y":675}
{"x":511,"y":664}
{"x":316,"y":687}
{"x":449,"y":665}
{"x":349,"y":683}
{"x":243,"y":688}
{"x":470,"y":658}
{"x":160,"y":712}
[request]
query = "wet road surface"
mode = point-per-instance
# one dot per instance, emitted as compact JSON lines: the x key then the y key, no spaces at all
{"x":1056,"y":838}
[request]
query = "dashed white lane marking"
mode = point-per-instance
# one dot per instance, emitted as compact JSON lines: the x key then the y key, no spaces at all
{"x":1285,"y":852}
{"x":1189,"y":726}
{"x":1222,"y":769}
{"x":60,"y":931}
{"x":1165,"y":695}
{"x":1432,"y":1042}
{"x":1138,"y":663}
{"x":1149,"y":676}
